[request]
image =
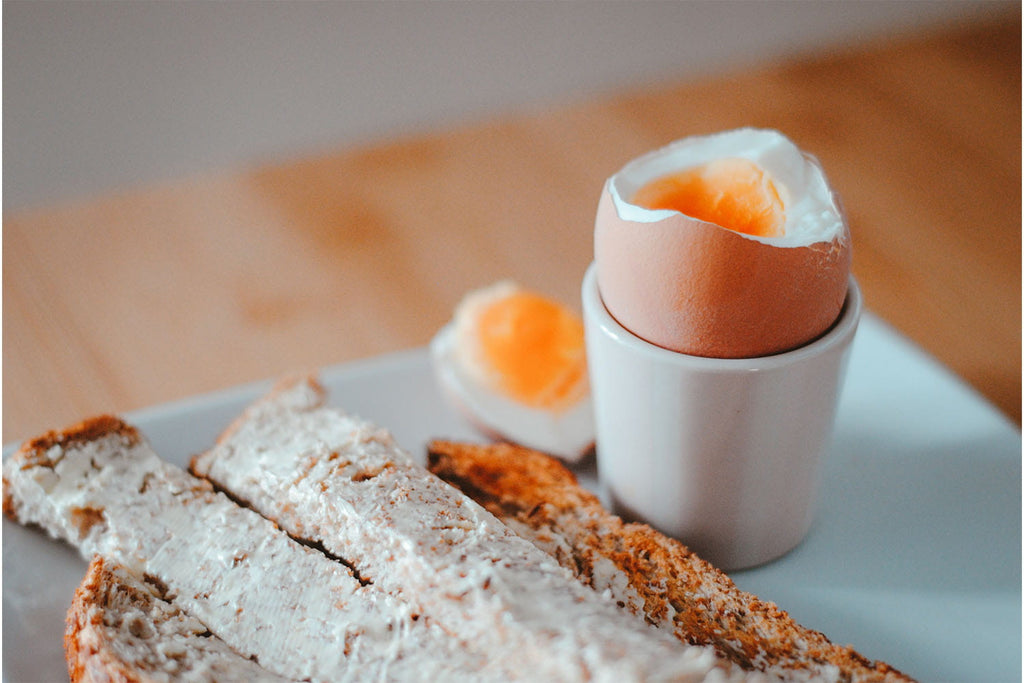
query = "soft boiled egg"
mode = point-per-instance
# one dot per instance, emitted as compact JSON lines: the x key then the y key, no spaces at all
{"x":513,"y":362}
{"x":730,"y":245}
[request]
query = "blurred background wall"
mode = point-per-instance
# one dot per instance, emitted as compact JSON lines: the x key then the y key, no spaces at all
{"x":107,"y":95}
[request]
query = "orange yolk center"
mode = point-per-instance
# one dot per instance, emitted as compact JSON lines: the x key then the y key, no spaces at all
{"x":732,"y":193}
{"x":535,"y":346}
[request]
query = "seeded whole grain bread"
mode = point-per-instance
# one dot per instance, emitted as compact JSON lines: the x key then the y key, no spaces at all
{"x":645,"y":571}
{"x":122,"y":628}
{"x":297,"y":611}
{"x":344,"y":483}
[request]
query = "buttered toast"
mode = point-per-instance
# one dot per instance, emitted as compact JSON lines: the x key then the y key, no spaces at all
{"x":343,"y":559}
{"x":344,"y":484}
{"x":300,"y":613}
{"x":123,"y":628}
{"x":307,"y":543}
{"x":645,"y":571}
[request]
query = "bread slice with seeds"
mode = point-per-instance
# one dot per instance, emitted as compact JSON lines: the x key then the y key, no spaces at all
{"x":645,"y":571}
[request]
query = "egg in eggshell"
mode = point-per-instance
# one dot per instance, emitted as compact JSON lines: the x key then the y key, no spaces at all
{"x":730,"y":245}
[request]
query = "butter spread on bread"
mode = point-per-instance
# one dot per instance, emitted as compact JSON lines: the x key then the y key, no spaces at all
{"x":123,"y":628}
{"x":344,"y":484}
{"x":644,"y":570}
{"x":299,"y":613}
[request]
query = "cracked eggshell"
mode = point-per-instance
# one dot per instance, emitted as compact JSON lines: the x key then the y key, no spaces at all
{"x":697,"y":288}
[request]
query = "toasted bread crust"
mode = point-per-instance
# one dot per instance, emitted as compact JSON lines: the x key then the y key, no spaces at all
{"x":36,"y":452}
{"x":89,"y":659}
{"x":123,"y":627}
{"x":675,"y":588}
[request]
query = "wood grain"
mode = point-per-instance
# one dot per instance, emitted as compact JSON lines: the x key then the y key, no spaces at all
{"x":128,"y":300}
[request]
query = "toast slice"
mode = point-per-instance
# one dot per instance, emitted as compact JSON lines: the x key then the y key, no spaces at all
{"x":299,"y":613}
{"x":645,"y":571}
{"x":121,"y":629}
{"x":345,"y":484}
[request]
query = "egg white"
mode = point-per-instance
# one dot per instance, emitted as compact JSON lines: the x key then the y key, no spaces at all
{"x":566,"y":433}
{"x":811,"y":210}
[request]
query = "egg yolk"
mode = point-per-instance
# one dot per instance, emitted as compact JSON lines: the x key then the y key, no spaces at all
{"x":536,"y":347}
{"x":733,"y":193}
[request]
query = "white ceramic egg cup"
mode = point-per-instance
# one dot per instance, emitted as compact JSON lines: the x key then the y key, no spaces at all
{"x":722,"y":454}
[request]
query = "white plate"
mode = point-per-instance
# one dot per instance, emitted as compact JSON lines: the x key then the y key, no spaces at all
{"x":915,"y":557}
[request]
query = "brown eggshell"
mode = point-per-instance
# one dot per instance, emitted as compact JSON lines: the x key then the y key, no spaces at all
{"x":700,"y":289}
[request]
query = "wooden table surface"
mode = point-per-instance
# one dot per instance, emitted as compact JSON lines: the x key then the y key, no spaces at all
{"x":129,"y":300}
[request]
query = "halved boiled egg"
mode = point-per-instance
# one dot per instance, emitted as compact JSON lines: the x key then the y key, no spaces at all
{"x":730,"y":245}
{"x":513,"y":361}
